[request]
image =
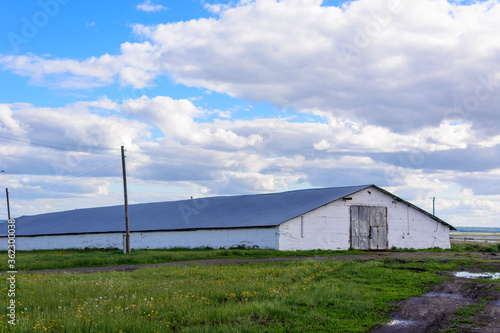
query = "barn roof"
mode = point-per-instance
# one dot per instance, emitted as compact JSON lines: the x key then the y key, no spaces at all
{"x":261,"y":210}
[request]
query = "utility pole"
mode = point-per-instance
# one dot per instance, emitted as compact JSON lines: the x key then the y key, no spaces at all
{"x":8,"y":205}
{"x":126,"y":236}
{"x":433,"y":205}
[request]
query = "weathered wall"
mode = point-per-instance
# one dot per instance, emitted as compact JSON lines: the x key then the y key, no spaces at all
{"x":216,"y":238}
{"x":327,"y":227}
{"x":407,"y":227}
{"x":322,"y":228}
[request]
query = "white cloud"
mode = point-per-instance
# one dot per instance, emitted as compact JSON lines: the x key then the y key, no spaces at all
{"x":321,"y":145}
{"x":208,"y":158}
{"x":176,"y":119}
{"x":217,"y":8}
{"x":148,"y":6}
{"x":408,"y":67}
{"x":135,"y":67}
{"x":8,"y":123}
{"x":408,"y":96}
{"x":59,"y":137}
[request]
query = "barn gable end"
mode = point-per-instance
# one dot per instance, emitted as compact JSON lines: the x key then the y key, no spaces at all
{"x":330,"y":226}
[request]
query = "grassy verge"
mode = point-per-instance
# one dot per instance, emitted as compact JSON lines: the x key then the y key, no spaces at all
{"x":298,"y":296}
{"x":459,"y":247}
{"x":475,"y":247}
{"x":73,"y":258}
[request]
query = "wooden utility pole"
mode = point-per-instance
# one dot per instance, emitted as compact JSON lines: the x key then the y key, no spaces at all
{"x":126,"y":238}
{"x":8,"y":205}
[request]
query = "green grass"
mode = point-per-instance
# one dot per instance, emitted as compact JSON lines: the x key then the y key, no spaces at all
{"x":297,"y":296}
{"x":475,"y":247}
{"x":465,"y":316}
{"x":73,"y":258}
{"x":458,"y":247}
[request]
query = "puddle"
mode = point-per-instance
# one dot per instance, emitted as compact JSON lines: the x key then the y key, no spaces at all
{"x":416,"y":302}
{"x":469,"y":275}
{"x":401,"y":323}
{"x":444,"y":295}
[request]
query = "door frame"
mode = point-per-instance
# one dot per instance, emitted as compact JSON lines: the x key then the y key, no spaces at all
{"x":373,"y":215}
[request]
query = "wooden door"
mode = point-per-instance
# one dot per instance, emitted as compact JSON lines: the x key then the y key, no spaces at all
{"x":369,"y":227}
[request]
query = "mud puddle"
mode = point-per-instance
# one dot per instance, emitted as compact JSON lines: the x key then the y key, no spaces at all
{"x":470,"y":275}
{"x":435,"y":310}
{"x":445,"y":295}
{"x":402,"y":325}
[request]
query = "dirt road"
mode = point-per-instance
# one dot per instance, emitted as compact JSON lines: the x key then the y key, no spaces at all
{"x":456,"y":305}
{"x":367,"y":256}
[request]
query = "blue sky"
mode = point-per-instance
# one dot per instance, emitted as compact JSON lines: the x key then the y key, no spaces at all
{"x":250,"y":96}
{"x":80,"y":30}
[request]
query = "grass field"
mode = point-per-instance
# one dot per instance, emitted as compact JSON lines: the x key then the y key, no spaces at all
{"x":297,"y":296}
{"x":475,"y":237}
{"x":73,"y":258}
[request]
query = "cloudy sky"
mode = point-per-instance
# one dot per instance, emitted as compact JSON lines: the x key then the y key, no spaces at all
{"x":250,"y":96}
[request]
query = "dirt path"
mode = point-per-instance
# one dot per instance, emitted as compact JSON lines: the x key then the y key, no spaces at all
{"x":221,"y":261}
{"x":478,"y":302}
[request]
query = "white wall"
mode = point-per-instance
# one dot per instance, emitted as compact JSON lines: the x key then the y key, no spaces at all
{"x":216,"y":238}
{"x":327,"y":227}
{"x":407,"y":227}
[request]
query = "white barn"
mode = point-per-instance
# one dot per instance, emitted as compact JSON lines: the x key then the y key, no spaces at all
{"x":362,"y":217}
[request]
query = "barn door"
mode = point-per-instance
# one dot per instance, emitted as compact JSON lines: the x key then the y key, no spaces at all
{"x":369,"y":227}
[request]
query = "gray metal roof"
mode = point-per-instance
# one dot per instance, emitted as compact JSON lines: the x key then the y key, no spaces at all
{"x":244,"y":211}
{"x":261,"y":210}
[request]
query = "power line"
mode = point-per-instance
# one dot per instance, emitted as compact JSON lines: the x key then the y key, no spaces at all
{"x":54,"y":145}
{"x":40,"y":140}
{"x":476,"y":199}
{"x":69,"y":178}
